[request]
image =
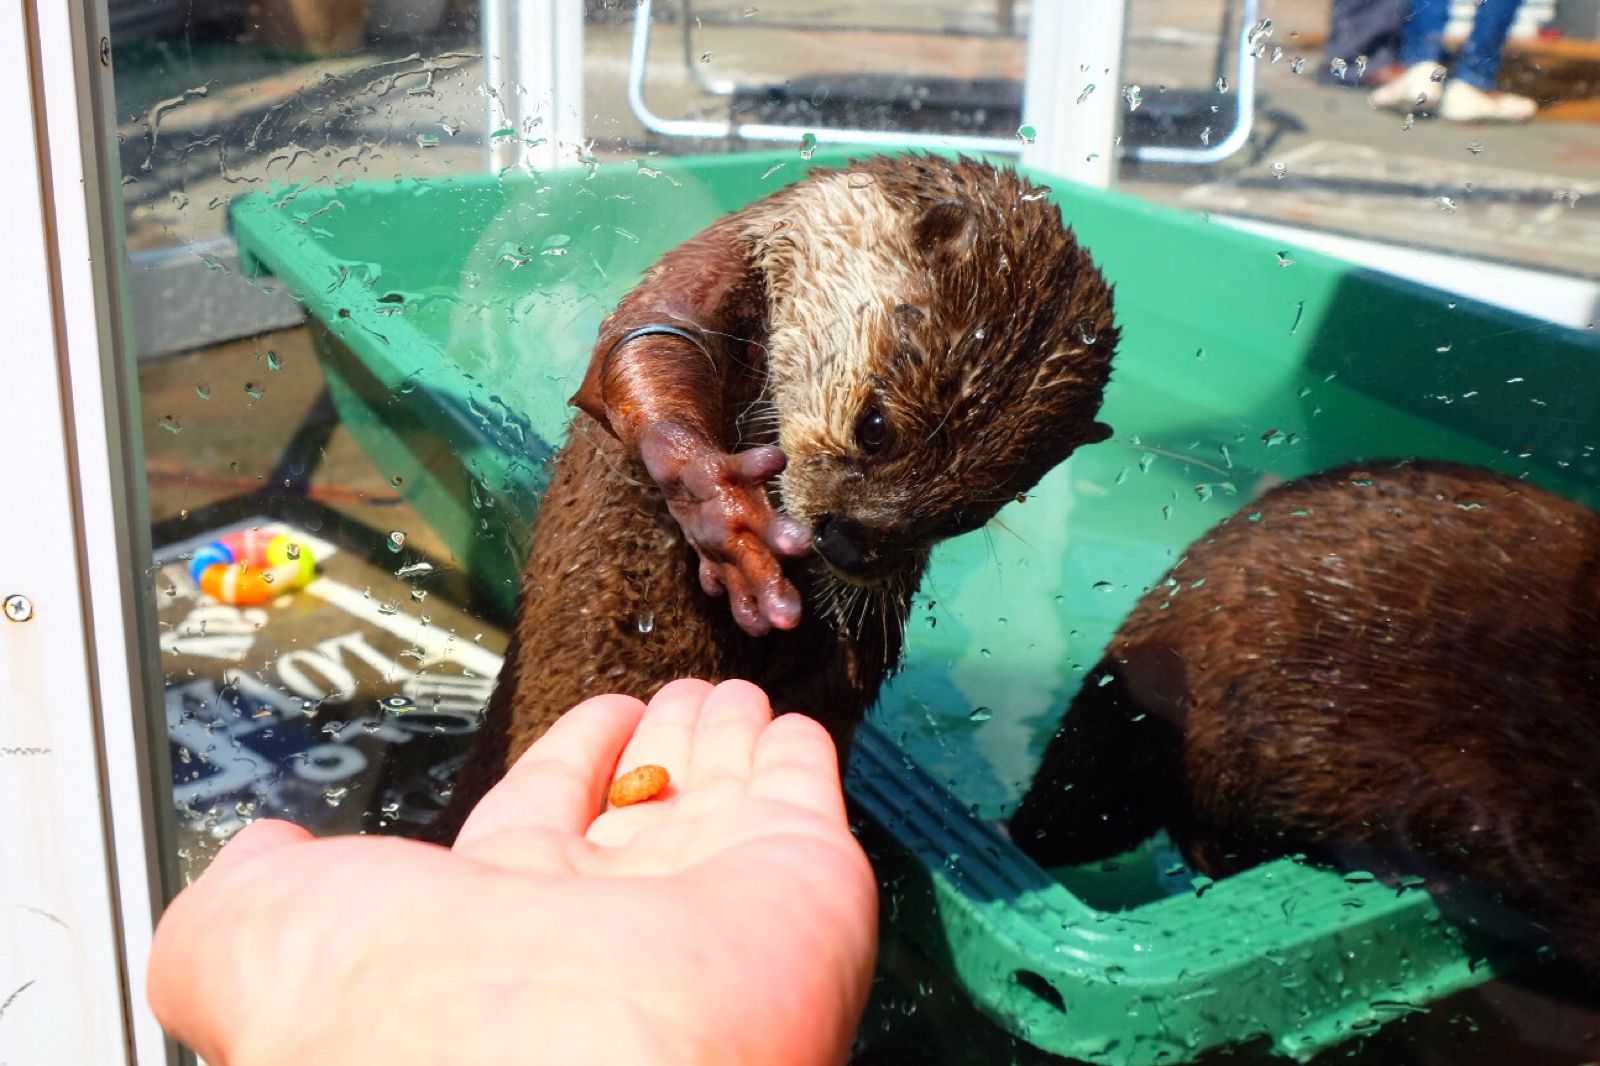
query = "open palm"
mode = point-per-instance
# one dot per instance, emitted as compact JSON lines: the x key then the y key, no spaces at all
{"x":730,"y":920}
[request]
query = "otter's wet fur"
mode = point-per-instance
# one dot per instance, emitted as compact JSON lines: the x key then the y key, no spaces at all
{"x":1387,"y":667}
{"x":945,"y":294}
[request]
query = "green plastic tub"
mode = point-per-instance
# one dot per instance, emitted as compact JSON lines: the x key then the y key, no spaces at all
{"x":456,"y":316}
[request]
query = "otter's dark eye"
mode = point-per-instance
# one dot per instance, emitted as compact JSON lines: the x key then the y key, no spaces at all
{"x":872,"y":432}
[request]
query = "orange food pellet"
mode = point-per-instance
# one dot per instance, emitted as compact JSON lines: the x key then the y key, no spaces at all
{"x":639,"y":784}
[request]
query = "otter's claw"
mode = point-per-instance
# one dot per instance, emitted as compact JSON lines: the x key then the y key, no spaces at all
{"x":720,"y":502}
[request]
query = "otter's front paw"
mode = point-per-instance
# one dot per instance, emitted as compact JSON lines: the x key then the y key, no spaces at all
{"x":720,"y":502}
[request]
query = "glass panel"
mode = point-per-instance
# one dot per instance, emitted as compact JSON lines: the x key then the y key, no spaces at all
{"x":371,"y":254}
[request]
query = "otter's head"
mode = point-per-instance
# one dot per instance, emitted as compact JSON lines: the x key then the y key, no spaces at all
{"x":939,"y":342}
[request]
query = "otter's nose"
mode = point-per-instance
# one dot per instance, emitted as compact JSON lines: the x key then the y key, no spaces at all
{"x":842,"y":543}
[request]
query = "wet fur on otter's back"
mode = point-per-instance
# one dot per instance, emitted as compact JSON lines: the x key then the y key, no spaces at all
{"x":1396,"y":668}
{"x":946,"y":293}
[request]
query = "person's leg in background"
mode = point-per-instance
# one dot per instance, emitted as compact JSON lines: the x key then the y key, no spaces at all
{"x":1358,"y":28}
{"x":1471,"y":95}
{"x":1421,"y":45}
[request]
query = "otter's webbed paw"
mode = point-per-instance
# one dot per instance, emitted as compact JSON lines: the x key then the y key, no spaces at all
{"x":720,"y":502}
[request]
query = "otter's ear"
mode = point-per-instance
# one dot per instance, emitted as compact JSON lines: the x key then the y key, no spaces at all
{"x":1098,"y":431}
{"x":945,"y":230}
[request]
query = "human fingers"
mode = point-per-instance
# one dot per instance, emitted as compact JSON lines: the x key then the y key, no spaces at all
{"x":190,"y":960}
{"x":795,"y":762}
{"x":560,"y":782}
{"x":665,"y":734}
{"x":730,"y":723}
{"x":257,"y":838}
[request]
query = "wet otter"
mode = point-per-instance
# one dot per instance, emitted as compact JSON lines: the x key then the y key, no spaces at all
{"x":1392,"y":667}
{"x":841,"y":374}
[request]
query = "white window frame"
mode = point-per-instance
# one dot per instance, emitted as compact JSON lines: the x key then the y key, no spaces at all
{"x":81,"y":865}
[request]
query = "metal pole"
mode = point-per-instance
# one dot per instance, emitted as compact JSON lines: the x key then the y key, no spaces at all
{"x":533,"y":82}
{"x":1073,"y":91}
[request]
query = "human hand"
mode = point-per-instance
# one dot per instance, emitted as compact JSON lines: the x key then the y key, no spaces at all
{"x":720,"y":502}
{"x":731,"y":920}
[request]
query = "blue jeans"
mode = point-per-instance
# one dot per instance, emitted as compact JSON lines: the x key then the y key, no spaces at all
{"x":1422,"y":38}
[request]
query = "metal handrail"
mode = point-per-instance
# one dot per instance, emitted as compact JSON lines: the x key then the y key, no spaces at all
{"x":1245,"y":116}
{"x":1244,"y":87}
{"x":769,"y":132}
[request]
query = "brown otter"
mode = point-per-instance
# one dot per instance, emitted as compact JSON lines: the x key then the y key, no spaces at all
{"x":1390,"y":667}
{"x":898,"y":348}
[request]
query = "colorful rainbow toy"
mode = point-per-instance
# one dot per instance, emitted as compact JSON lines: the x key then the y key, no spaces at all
{"x":249,"y":567}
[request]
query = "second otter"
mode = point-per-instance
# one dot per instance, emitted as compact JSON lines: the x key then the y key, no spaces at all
{"x":1388,"y":667}
{"x":863,"y":363}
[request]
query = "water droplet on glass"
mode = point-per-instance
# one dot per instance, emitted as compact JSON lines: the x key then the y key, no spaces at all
{"x":933,"y":623}
{"x":1279,"y":170}
{"x":706,"y":57}
{"x":202,"y":390}
{"x":1285,"y":259}
{"x":335,"y":796}
{"x":1027,"y":134}
{"x":1104,"y":586}
{"x":171,"y":424}
{"x":1133,"y":96}
{"x":397,"y":540}
{"x":397,"y":704}
{"x":274,"y":361}
{"x":1087,"y":331}
{"x":1087,"y":90}
{"x":1447,"y":205}
{"x":808,"y":145}
{"x":414,"y":570}
{"x":1297,"y":64}
{"x":253,"y":390}
{"x":1222,"y":85}
{"x":1337,"y":68}
{"x":980,"y":714}
{"x":397,"y":481}
{"x":646,"y":622}
{"x":1475,"y":147}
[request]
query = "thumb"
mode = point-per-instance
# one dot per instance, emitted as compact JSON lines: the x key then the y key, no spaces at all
{"x":257,"y":838}
{"x":189,"y":944}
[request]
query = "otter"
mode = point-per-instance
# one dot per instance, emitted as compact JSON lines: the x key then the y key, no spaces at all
{"x":1389,"y":667}
{"x":790,"y":410}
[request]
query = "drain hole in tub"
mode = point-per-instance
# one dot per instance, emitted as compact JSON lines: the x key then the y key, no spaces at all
{"x":1040,"y":987}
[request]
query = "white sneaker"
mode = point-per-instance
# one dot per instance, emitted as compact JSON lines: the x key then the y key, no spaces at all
{"x":1468,"y":103}
{"x":1418,"y":89}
